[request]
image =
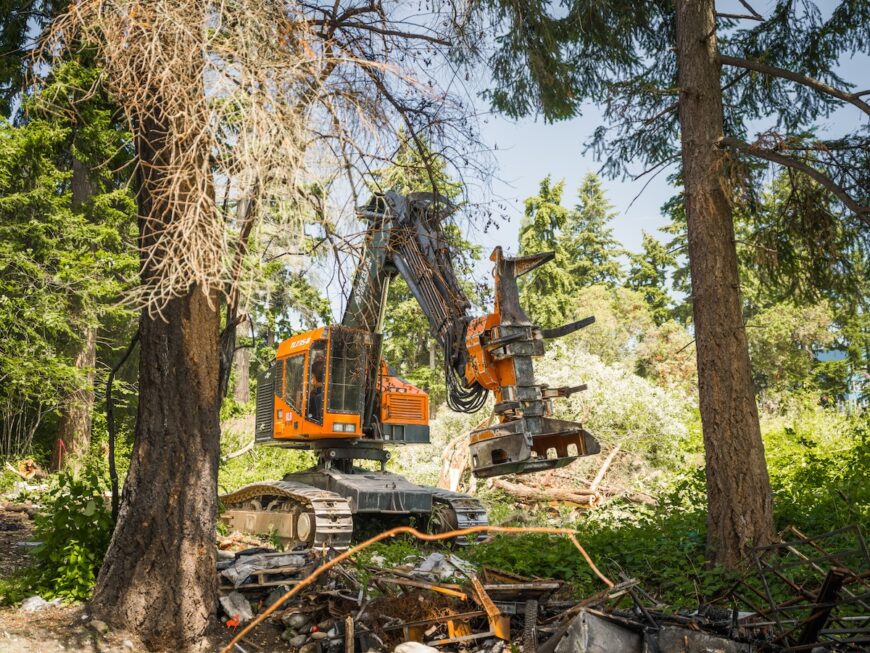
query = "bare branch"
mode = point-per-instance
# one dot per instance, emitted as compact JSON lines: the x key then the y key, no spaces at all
{"x":863,"y":212}
{"x":751,"y":10}
{"x":738,"y":16}
{"x":815,"y":84}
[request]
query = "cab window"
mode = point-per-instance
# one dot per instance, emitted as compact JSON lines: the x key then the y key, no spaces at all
{"x":294,"y":377}
{"x":347,"y":370}
{"x":316,"y":378}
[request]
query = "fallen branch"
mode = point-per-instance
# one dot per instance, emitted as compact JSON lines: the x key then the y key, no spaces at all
{"x":29,"y":510}
{"x":27,"y":470}
{"x":593,"y":487}
{"x":241,"y":452}
{"x":586,"y":498}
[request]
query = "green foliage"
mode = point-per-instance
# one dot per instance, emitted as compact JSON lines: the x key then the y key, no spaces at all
{"x":648,"y":274}
{"x":589,"y":239}
{"x":74,"y":529}
{"x":547,"y":292}
{"x":21,"y":22}
{"x":585,"y":251}
{"x":662,"y":545}
{"x":818,"y":461}
{"x":395,"y":551}
{"x":63,"y":264}
{"x":783,"y":342}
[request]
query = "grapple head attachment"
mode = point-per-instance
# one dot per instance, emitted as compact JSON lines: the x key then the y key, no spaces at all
{"x":502,"y":346}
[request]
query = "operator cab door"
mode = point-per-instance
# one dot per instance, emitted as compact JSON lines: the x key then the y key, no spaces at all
{"x":316,"y":383}
{"x":304,"y":391}
{"x":320,"y":383}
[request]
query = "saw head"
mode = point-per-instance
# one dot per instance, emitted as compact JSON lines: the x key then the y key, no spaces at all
{"x":524,"y":437}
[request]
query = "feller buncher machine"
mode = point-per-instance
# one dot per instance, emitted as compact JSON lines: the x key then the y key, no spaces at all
{"x":330,"y":391}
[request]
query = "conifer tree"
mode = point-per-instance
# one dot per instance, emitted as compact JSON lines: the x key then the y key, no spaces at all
{"x":648,"y":274}
{"x":548,"y":292}
{"x":588,"y":238}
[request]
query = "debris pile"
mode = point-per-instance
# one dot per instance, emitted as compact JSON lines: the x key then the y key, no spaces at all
{"x":440,"y":602}
{"x":810,"y":594}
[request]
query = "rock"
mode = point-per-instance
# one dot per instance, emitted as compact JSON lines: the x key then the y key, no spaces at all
{"x":325,"y":625}
{"x":318,"y":635}
{"x":37,"y":603}
{"x":311,"y":647}
{"x":127,"y":644}
{"x":100,"y":627}
{"x":276,"y":594}
{"x":236,"y":605}
{"x":414,"y":647}
{"x":298,"y":640}
{"x":296,"y":620}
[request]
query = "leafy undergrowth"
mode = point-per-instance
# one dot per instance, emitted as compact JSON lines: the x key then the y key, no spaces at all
{"x":662,"y":546}
{"x":818,"y":469}
{"x":73,"y":526}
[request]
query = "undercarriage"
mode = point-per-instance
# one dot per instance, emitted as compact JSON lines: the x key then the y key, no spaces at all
{"x":317,"y":508}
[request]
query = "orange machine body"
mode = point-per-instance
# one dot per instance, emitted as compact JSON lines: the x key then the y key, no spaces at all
{"x":320,"y":390}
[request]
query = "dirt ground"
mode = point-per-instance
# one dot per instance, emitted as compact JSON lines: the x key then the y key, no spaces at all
{"x":66,"y":629}
{"x":56,"y":630}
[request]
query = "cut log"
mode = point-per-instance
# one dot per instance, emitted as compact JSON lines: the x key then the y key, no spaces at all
{"x":585,"y":498}
{"x":454,"y":460}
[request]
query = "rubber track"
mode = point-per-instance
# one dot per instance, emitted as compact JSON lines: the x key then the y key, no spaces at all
{"x":333,"y":519}
{"x":530,"y":629}
{"x":468,"y":510}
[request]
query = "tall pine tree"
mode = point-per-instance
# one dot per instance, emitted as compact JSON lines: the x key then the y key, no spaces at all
{"x":648,"y":274}
{"x":589,"y":238}
{"x":682,"y":84}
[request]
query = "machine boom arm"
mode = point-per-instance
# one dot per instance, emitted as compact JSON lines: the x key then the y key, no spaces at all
{"x":493,"y":352}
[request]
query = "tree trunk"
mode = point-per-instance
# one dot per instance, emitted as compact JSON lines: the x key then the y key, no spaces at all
{"x":74,"y":428}
{"x":738,"y":488}
{"x":242,"y":363}
{"x":158,"y":578}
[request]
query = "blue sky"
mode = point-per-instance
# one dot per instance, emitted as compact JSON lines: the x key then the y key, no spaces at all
{"x":525,"y":151}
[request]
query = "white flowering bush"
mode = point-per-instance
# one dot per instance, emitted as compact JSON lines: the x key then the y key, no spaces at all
{"x":619,"y":407}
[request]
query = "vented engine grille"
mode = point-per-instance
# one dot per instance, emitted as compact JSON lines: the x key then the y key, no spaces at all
{"x":403,"y":407}
{"x":265,"y":424}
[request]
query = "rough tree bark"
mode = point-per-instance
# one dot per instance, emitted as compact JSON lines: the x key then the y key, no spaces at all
{"x":158,"y":576}
{"x":74,"y":427}
{"x":738,"y":488}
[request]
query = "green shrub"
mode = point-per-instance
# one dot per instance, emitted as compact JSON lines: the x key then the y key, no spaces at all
{"x":818,"y":465}
{"x":662,"y":545}
{"x":74,"y":529}
{"x":260,"y":463}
